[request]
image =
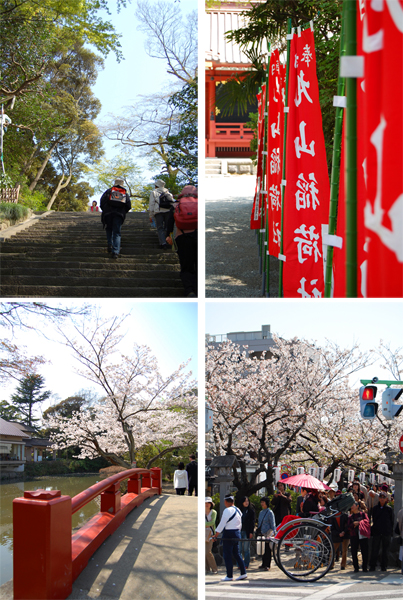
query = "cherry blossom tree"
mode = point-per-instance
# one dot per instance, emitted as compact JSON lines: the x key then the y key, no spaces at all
{"x":139,"y":406}
{"x":296,"y":406}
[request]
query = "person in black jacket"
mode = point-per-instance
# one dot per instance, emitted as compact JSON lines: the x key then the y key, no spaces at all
{"x":340,"y":535}
{"x":191,"y":469}
{"x":115,"y":203}
{"x":281,"y":503}
{"x":310,"y":504}
{"x":248,"y":526}
{"x":382,"y":531}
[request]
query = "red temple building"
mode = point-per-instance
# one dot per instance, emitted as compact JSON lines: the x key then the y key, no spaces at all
{"x":226,"y":137}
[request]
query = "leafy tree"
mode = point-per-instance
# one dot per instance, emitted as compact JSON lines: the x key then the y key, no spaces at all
{"x":182,"y":145}
{"x":9,"y":412}
{"x":66,"y":408}
{"x":29,"y":392}
{"x":104,"y":171}
{"x":75,"y":196}
{"x":79,"y":17}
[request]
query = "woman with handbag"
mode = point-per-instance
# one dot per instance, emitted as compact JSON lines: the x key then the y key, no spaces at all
{"x":266,"y":526}
{"x":360,"y":531}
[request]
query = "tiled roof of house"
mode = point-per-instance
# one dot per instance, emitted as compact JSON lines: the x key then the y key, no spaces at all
{"x":11,"y":430}
{"x":23,"y":427}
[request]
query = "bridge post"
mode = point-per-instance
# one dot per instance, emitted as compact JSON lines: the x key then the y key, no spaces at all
{"x":42,"y":546}
{"x":134,"y":484}
{"x":110,"y":499}
{"x":156,"y":478}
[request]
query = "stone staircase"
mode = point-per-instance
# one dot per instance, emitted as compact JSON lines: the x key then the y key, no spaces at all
{"x":64,"y":255}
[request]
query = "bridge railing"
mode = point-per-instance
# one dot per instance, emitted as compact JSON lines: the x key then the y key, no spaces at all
{"x":47,"y":556}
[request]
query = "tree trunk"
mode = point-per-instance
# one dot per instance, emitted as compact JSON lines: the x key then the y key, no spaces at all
{"x":28,"y":163}
{"x":43,"y":165}
{"x":58,"y":188}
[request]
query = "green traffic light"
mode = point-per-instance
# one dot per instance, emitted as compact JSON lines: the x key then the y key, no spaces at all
{"x":369,"y":411}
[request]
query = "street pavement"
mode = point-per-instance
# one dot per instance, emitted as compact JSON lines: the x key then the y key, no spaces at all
{"x":336,"y":585}
{"x":152,"y":556}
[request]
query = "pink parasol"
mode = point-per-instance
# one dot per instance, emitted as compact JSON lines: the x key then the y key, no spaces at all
{"x":306,"y":481}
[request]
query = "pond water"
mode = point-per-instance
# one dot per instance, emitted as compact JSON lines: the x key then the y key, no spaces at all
{"x":70,"y":486}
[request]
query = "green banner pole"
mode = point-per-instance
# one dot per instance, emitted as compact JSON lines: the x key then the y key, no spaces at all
{"x":259,"y":235}
{"x":266,"y":271}
{"x":262,"y":260}
{"x":351,"y":154}
{"x":335,"y":176}
{"x":280,"y":287}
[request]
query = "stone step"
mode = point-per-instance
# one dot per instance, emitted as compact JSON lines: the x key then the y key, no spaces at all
{"x":65,"y":255}
{"x":21,"y":291}
{"x":125,"y":280}
{"x":35,"y":267}
{"x":77,"y":251}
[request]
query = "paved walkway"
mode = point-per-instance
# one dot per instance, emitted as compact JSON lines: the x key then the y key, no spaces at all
{"x":232,"y":258}
{"x":152,"y":556}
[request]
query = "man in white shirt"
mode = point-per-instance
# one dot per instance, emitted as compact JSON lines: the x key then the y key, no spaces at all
{"x":230,"y":526}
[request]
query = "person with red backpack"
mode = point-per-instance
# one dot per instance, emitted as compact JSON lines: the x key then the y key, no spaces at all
{"x":115,"y":203}
{"x":184,"y":215}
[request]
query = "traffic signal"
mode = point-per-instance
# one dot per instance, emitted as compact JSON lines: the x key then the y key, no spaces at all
{"x":368,"y":406}
{"x":390,"y":410}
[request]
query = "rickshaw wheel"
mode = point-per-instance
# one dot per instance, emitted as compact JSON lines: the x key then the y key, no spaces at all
{"x":305,"y":552}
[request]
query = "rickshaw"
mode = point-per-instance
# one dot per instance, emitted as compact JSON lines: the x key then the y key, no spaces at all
{"x":303,"y":547}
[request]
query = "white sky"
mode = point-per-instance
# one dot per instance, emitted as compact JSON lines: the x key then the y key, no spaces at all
{"x":168,"y":328}
{"x":120,"y":84}
{"x":345,"y":322}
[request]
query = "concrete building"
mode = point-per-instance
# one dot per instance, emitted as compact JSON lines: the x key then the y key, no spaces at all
{"x":255,"y":342}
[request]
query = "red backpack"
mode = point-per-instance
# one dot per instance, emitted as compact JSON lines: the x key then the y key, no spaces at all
{"x":186,"y":213}
{"x":117,"y":197}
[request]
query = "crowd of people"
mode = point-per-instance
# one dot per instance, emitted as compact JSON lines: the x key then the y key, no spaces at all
{"x":369,"y":518}
{"x":176,"y":223}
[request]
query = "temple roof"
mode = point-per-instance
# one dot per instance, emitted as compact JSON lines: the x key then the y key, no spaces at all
{"x":219,"y":21}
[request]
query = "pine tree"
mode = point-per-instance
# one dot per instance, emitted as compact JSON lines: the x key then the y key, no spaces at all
{"x":28,"y":393}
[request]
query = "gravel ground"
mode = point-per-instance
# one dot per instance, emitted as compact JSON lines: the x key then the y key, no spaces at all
{"x":232,"y":259}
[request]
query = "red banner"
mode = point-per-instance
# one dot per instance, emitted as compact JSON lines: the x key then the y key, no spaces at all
{"x":307,"y":192}
{"x":275,"y":133}
{"x":383,"y":138}
{"x":256,"y":216}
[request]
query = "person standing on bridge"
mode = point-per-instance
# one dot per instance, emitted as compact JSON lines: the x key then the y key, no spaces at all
{"x":115,"y":203}
{"x":191,"y":469}
{"x":181,"y":481}
{"x":230,"y":527}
